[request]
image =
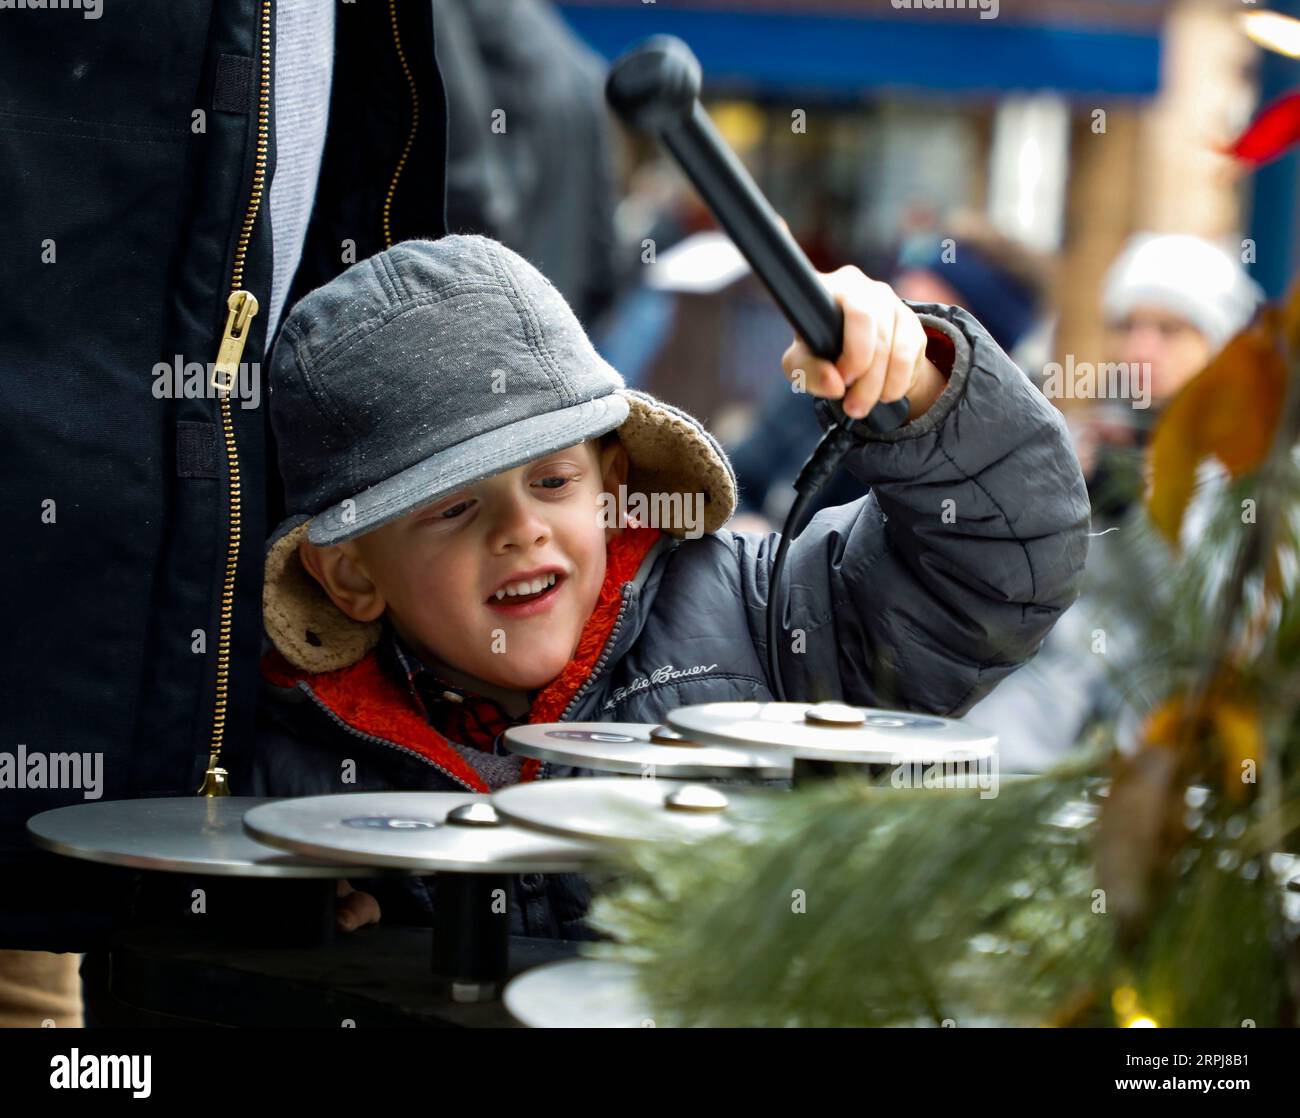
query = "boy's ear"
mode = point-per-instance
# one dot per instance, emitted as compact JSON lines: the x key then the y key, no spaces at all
{"x":613,"y":466}
{"x":341,"y":575}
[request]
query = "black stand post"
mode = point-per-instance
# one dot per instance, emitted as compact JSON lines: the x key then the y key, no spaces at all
{"x":471,"y":935}
{"x":808,"y":772}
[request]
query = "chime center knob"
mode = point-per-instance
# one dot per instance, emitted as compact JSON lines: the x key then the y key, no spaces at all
{"x":834,"y":714}
{"x":696,"y":797}
{"x":665,"y":736}
{"x":478,"y":814}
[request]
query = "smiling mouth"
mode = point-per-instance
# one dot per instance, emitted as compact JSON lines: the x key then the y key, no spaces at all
{"x":512,"y":602}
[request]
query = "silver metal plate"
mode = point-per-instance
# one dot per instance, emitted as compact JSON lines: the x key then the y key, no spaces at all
{"x":615,"y":809}
{"x":579,"y":994}
{"x":180,"y":834}
{"x":409,"y":831}
{"x":626,"y":747}
{"x":884,"y":737}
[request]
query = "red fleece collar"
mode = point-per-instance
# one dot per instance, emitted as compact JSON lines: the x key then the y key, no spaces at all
{"x":366,"y":699}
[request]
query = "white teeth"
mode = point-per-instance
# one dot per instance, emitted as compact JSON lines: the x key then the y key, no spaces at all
{"x":515,"y":589}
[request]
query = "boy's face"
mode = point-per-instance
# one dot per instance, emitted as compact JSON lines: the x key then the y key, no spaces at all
{"x":436,"y":571}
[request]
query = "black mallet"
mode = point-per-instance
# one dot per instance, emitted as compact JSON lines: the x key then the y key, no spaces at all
{"x":655,"y":88}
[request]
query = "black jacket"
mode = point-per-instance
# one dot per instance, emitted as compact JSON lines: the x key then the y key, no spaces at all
{"x":135,"y":153}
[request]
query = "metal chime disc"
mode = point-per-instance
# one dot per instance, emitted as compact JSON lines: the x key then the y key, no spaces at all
{"x":836,"y":732}
{"x":179,"y":834}
{"x":421,"y":832}
{"x":579,"y":994}
{"x":635,"y":747}
{"x":615,"y":809}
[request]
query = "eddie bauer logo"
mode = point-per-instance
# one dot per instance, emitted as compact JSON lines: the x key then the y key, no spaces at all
{"x":659,"y":675}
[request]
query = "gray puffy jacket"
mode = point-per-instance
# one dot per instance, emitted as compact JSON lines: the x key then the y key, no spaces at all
{"x":920,"y":595}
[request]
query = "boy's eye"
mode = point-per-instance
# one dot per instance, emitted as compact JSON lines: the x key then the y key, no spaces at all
{"x":453,"y":512}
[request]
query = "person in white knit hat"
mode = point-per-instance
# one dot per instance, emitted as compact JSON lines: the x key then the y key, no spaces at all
{"x":1173,"y":300}
{"x":1170,"y":302}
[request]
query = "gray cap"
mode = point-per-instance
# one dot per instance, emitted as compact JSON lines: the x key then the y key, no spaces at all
{"x":427,"y":368}
{"x":421,"y":370}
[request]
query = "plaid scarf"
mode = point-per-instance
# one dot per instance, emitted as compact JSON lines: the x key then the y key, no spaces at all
{"x":471,"y":723}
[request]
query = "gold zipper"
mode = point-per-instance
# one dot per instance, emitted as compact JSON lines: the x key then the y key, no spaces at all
{"x":241,"y":308}
{"x":410,"y":137}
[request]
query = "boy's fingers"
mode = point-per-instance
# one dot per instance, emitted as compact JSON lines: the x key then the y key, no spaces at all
{"x":813,"y":374}
{"x":909,"y":345}
{"x":864,"y":334}
{"x":821,"y":378}
{"x":354,"y":909}
{"x":864,"y":392}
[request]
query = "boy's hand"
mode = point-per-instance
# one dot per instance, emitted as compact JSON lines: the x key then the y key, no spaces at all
{"x":354,"y":909}
{"x":884,"y":351}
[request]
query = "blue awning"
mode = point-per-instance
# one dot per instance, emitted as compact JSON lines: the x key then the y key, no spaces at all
{"x":837,"y":56}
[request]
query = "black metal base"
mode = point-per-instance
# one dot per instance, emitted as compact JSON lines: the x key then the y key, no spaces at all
{"x":245,"y":911}
{"x":375,"y":977}
{"x":807,"y":772}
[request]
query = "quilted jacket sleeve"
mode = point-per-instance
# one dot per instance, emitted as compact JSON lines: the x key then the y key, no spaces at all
{"x":948,"y":574}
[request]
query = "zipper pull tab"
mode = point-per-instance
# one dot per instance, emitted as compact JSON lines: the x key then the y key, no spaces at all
{"x":243,"y":307}
{"x":214,"y":780}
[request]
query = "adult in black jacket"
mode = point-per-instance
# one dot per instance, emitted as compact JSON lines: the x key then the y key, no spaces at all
{"x":137,"y":151}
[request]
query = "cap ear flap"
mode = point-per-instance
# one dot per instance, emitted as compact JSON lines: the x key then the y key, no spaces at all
{"x":669,"y":452}
{"x":309,"y":630}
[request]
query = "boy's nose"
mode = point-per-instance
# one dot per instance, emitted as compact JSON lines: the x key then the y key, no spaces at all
{"x":518,"y":522}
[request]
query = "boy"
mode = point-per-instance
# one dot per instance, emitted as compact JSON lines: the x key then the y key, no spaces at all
{"x":449,"y":440}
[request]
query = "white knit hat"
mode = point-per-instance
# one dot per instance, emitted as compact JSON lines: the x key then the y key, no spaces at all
{"x":1184,"y":275}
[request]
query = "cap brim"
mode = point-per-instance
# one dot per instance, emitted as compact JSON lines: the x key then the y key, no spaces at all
{"x":473,"y":460}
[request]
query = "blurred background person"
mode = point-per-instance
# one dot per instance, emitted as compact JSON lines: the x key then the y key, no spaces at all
{"x":1170,"y":303}
{"x":530,"y":149}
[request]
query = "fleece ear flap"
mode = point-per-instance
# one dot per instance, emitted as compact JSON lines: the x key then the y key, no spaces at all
{"x":670,"y":453}
{"x":309,"y":630}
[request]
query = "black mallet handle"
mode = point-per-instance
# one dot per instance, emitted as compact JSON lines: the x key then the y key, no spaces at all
{"x":655,"y":88}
